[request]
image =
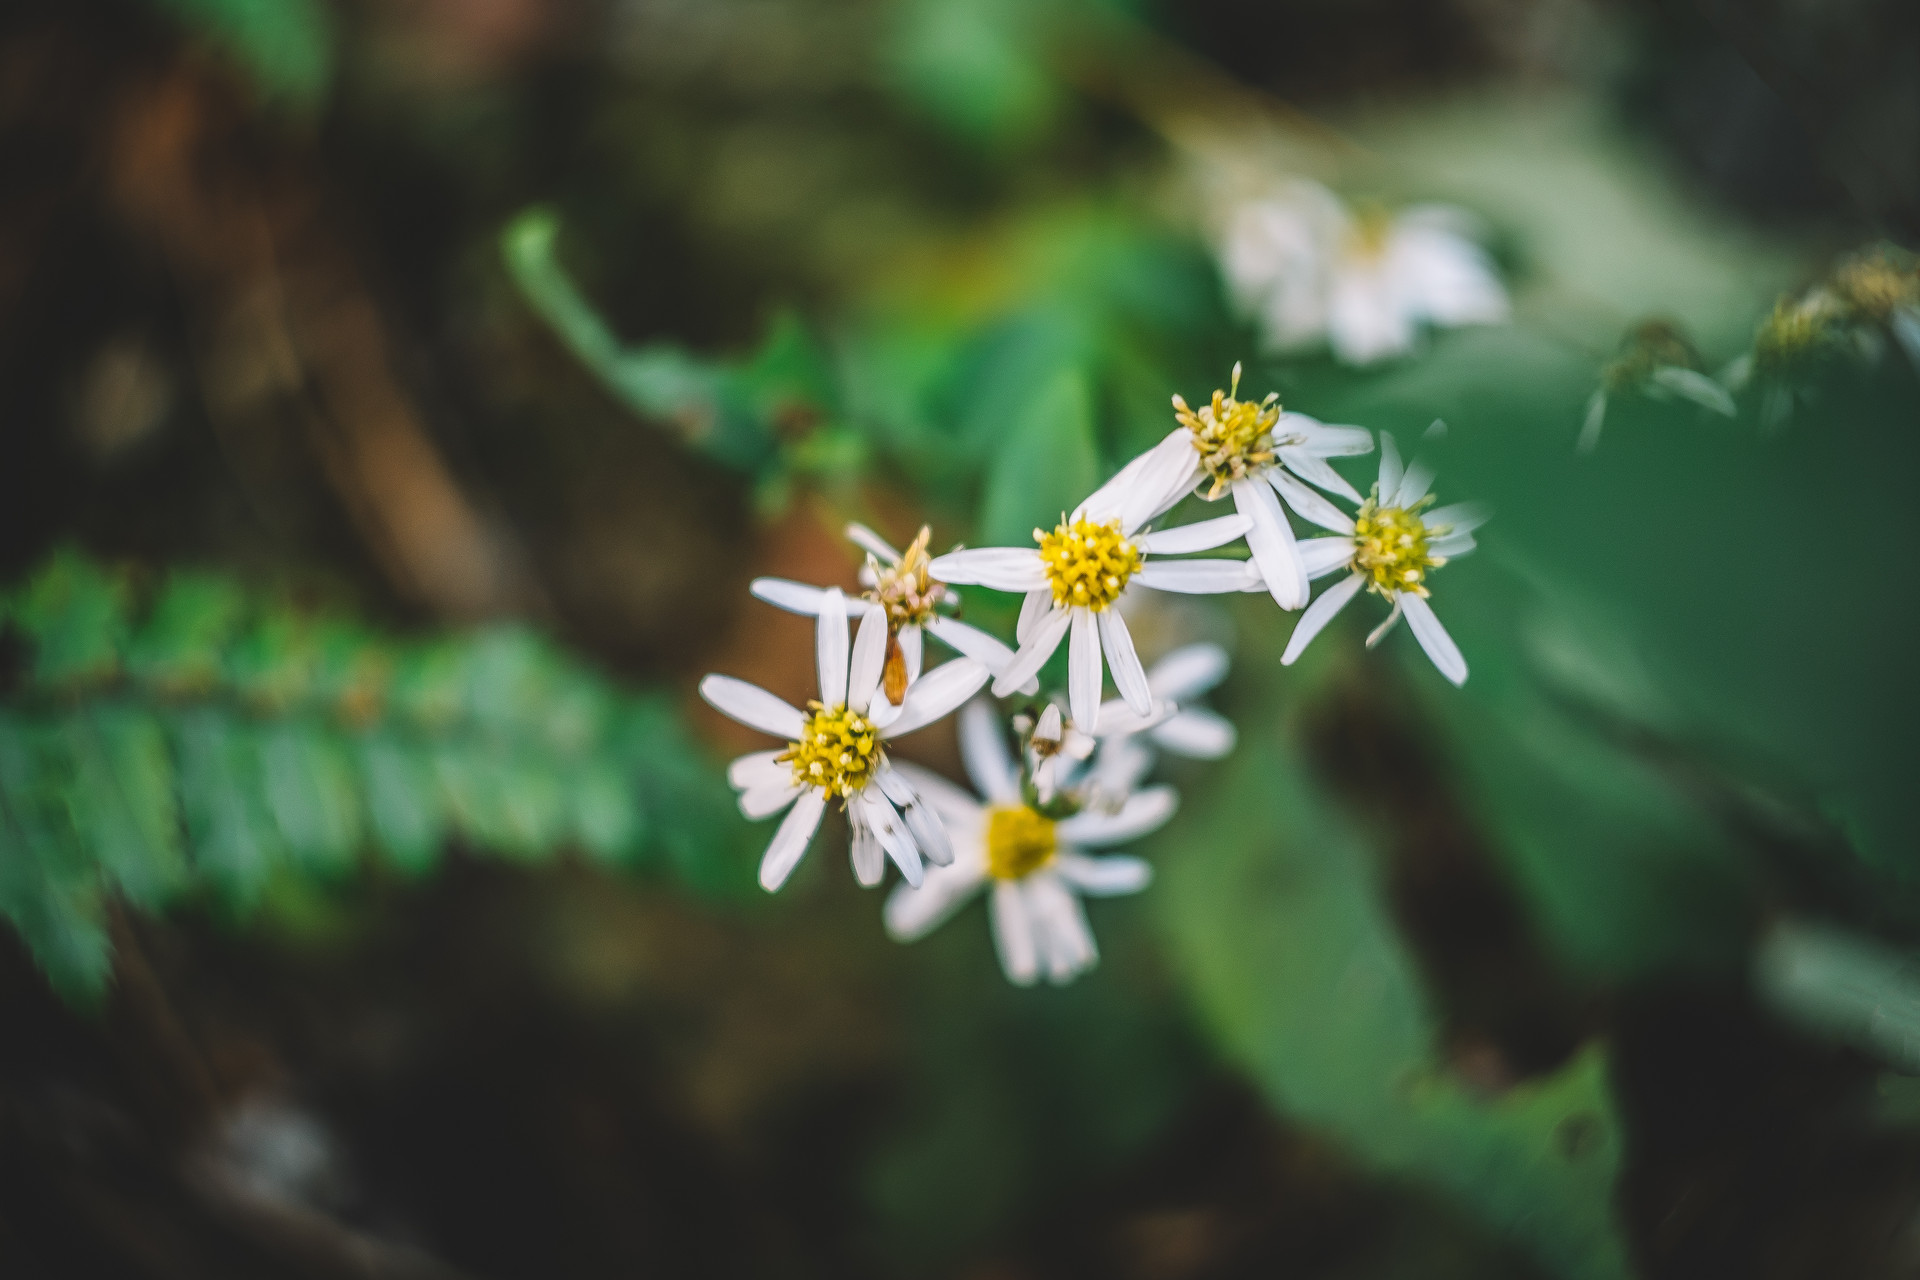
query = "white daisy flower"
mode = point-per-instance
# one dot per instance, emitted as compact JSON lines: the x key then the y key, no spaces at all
{"x":835,"y":751}
{"x":1082,"y":569}
{"x":1389,"y":545}
{"x":1309,"y":269}
{"x":900,"y":583}
{"x":1034,"y":864}
{"x":1252,"y":450}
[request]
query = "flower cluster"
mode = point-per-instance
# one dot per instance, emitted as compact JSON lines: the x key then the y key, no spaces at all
{"x":1656,"y":361}
{"x":1309,"y":270}
{"x":1075,"y":782}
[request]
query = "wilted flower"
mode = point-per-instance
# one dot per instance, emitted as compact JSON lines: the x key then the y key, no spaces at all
{"x":1081,"y":570}
{"x":1308,"y":269}
{"x":1034,"y":863}
{"x":836,"y":751}
{"x":1390,"y":545}
{"x":1655,"y":360}
{"x":901,"y":584}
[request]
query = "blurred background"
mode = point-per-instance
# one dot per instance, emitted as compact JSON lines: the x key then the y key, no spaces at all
{"x":398,"y":395}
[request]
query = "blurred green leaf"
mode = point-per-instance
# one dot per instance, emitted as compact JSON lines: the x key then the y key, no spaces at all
{"x":1270,"y":905}
{"x":73,"y":613}
{"x":285,"y":46}
{"x":975,"y":66}
{"x":1044,"y":466}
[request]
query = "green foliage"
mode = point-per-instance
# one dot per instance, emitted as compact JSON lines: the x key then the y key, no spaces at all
{"x":1046,"y":466}
{"x":212,"y":742}
{"x":976,"y":67}
{"x":1270,"y":906}
{"x":285,"y":46}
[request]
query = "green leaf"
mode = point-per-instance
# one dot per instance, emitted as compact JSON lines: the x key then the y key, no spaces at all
{"x":403,"y":802}
{"x":1046,"y":464}
{"x":1271,"y":907}
{"x":177,"y":650}
{"x":310,"y":792}
{"x":74,"y":615}
{"x":285,"y":46}
{"x":48,"y":886}
{"x":975,"y":66}
{"x":236,"y":846}
{"x":120,"y":794}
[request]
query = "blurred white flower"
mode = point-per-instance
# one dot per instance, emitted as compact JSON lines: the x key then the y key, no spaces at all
{"x":1308,"y":269}
{"x":1034,"y":864}
{"x":1083,"y":568}
{"x":836,"y":751}
{"x":1390,"y":545}
{"x":1656,"y":361}
{"x":1249,"y":449}
{"x":901,"y":584}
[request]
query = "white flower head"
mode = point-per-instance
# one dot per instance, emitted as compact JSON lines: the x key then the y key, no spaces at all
{"x":1036,"y":866}
{"x":1083,"y":568}
{"x":1252,"y":450}
{"x":836,"y":751}
{"x":1055,"y":750}
{"x":1389,"y":547}
{"x":1309,"y":269}
{"x":900,"y":583}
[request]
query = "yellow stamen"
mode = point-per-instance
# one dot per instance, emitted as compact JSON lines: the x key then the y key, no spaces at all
{"x":1391,"y":546}
{"x":1087,"y":563}
{"x":907,"y":590}
{"x":1233,"y":437}
{"x":838,"y":751}
{"x":1019,"y":842}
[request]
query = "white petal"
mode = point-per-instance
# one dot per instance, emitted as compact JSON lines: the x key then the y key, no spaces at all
{"x":1414,"y":485}
{"x":1034,"y":652}
{"x":763,"y":802}
{"x":869,"y":657}
{"x":1320,"y":613}
{"x":913,"y":913}
{"x":752,"y":706}
{"x":1194,"y":577}
{"x":1013,"y":935}
{"x":971,"y":642}
{"x":1143,"y":812}
{"x":1322,"y":556}
{"x":1066,"y":942}
{"x":1103,"y":877}
{"x":869,"y":859}
{"x":1119,"y":767}
{"x":794,"y":597}
{"x":1379,"y":633}
{"x":1204,"y":535}
{"x":1128,"y":675}
{"x":1322,"y":439}
{"x":1590,"y":426}
{"x":869,"y":541}
{"x":983,"y":749}
{"x":790,"y":841}
{"x":1084,"y":670}
{"x":1905,"y":323}
{"x":759,"y":769}
{"x":1196,"y":733}
{"x":1032,"y":609}
{"x":1188,"y":671}
{"x":1694,"y":386}
{"x":1310,"y":505}
{"x":1452,"y":546}
{"x":913,"y":649}
{"x":1434,"y":638}
{"x":957,"y":808}
{"x":922,"y":823}
{"x":1391,"y":471}
{"x":1315,"y":471}
{"x":830,"y":647}
{"x":1270,"y":539}
{"x":1146,"y":486}
{"x":1002,"y":568}
{"x":935,"y":694}
{"x":1459,"y":517}
{"x":892,"y":832}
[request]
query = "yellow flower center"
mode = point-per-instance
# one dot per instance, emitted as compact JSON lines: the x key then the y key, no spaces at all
{"x":908,"y":592}
{"x":837,"y":752}
{"x":1087,"y":563}
{"x":1796,"y":332}
{"x":1367,"y":238}
{"x":1391,"y":546}
{"x":1233,"y":437}
{"x":1872,"y":284}
{"x":1019,"y":842}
